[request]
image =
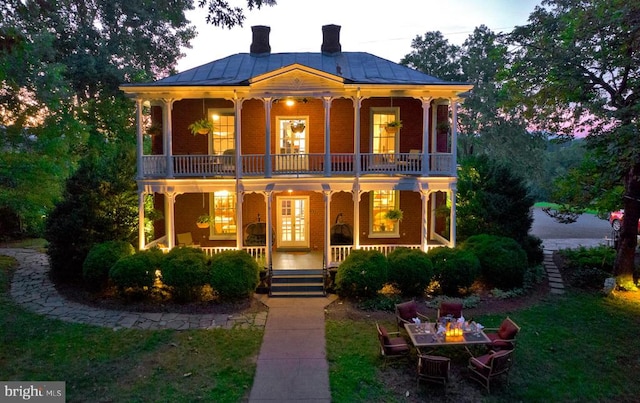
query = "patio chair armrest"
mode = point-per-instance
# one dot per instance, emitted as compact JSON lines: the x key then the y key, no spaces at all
{"x":400,"y":319}
{"x":478,"y":363}
{"x":423,"y":316}
{"x":396,"y":333}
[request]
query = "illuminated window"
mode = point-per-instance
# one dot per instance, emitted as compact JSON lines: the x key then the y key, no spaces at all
{"x":384,"y":139}
{"x":223,"y":213}
{"x":223,"y":134}
{"x":381,"y":202}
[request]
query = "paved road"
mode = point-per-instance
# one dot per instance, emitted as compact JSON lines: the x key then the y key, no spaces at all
{"x":587,"y":226}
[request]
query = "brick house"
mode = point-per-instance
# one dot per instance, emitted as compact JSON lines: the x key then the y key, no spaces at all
{"x":300,"y":146}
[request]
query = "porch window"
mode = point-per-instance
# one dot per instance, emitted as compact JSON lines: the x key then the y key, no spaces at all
{"x":384,"y":139}
{"x":223,"y":133}
{"x":223,"y":214}
{"x":381,"y":202}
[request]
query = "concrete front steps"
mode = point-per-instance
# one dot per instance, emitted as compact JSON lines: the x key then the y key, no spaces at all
{"x":297,"y":283}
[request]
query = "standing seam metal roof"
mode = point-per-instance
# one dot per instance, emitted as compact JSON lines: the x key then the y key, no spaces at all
{"x":354,"y":67}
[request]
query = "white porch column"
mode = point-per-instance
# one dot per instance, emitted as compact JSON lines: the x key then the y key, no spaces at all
{"x":239,"y":223}
{"x":327,"y":135}
{"x":424,"y":228}
{"x":169,"y":218}
{"x":327,"y":226}
{"x":452,"y":218}
{"x":426,"y":108}
{"x":141,"y":237}
{"x":268,"y":169}
{"x":269,"y":223}
{"x":356,"y":216}
{"x":139,"y":139}
{"x":237,"y":103}
{"x":357,"y":104}
{"x":453,"y":104}
{"x":167,"y":106}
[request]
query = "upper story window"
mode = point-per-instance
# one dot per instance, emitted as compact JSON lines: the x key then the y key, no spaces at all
{"x":223,"y":134}
{"x":381,"y":202}
{"x":385,"y":138}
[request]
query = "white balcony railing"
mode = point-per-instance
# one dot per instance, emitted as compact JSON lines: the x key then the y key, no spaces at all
{"x":299,"y":164}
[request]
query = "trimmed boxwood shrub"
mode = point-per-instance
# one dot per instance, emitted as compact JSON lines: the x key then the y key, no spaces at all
{"x":410,"y":270}
{"x":234,"y":274}
{"x":136,"y":272}
{"x":185,"y":271}
{"x":532,"y":246}
{"x":101,"y":257}
{"x":455,"y":269}
{"x":362,"y":274}
{"x":503,"y":261}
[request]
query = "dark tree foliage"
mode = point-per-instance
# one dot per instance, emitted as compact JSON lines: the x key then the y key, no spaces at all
{"x":491,"y":200}
{"x":577,"y":65}
{"x":222,"y":14}
{"x":99,"y":205}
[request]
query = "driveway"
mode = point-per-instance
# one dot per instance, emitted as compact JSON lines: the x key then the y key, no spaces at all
{"x":588,"y":230}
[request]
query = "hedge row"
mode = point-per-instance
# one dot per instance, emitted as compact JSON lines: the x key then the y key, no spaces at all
{"x":184,"y":271}
{"x":497,"y":261}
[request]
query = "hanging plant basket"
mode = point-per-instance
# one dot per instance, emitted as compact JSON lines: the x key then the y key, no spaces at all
{"x":202,"y":127}
{"x":203,"y":221}
{"x":297,"y":127}
{"x":392,"y":127}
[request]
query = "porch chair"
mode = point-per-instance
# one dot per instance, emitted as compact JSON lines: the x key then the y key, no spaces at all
{"x":391,"y":347}
{"x":433,"y":368}
{"x":489,"y":366}
{"x":184,"y":239}
{"x":406,"y":311}
{"x":504,"y":337}
{"x":450,"y":308}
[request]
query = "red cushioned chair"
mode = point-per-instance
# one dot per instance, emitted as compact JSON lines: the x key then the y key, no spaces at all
{"x":450,"y":308}
{"x":489,"y":366}
{"x":504,"y":337}
{"x":406,"y":311}
{"x":391,"y":347}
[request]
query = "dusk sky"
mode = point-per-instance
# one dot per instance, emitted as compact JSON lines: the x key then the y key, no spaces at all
{"x":382,"y":28}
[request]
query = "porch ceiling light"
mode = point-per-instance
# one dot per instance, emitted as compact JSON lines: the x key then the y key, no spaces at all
{"x":290,"y":102}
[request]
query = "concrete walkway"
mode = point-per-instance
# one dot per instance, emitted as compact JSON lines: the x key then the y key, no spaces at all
{"x":292,"y":363}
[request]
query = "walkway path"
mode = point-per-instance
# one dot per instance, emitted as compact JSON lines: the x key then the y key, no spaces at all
{"x":292,"y":364}
{"x":32,"y":289}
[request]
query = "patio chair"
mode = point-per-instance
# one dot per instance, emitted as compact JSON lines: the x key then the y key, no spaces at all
{"x":184,"y":239}
{"x":391,"y":347}
{"x":489,"y":366}
{"x":406,"y":311}
{"x":504,"y":337}
{"x":433,"y":368}
{"x":447,"y":308}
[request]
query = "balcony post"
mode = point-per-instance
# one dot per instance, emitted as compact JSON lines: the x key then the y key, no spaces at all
{"x":237,"y":103}
{"x":327,"y":135}
{"x":169,"y":212}
{"x":268,"y":170}
{"x":167,"y":106}
{"x":139,"y":139}
{"x":357,"y":104}
{"x":239,"y":223}
{"x":356,"y":216}
{"x":426,"y":107}
{"x":269,"y":223}
{"x":424,"y":228}
{"x":452,"y":217}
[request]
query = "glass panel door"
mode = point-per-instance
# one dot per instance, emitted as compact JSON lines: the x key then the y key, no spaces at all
{"x":293,"y":222}
{"x":292,"y":144}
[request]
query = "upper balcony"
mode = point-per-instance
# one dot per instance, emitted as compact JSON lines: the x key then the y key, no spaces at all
{"x":212,"y":166}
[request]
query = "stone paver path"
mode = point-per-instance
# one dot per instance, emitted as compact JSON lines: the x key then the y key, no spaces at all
{"x":32,"y":289}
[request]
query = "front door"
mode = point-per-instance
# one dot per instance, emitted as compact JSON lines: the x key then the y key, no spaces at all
{"x":293,"y":222}
{"x":292,"y":145}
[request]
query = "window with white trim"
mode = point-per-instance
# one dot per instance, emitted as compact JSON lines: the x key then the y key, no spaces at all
{"x":381,"y":201}
{"x":223,"y":214}
{"x":222,"y":137}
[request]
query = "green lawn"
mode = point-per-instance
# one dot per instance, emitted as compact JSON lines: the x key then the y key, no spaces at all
{"x":100,"y":364}
{"x":578,"y":347}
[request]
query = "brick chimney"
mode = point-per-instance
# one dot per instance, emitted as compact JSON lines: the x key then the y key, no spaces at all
{"x":260,"y":41}
{"x":331,"y":39}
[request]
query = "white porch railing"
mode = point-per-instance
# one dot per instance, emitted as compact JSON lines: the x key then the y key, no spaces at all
{"x":340,"y":252}
{"x":299,"y":164}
